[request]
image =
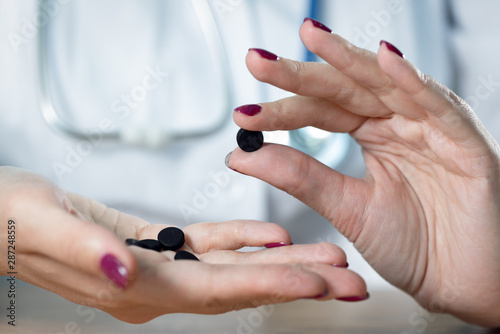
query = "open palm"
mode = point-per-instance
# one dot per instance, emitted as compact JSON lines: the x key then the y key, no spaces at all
{"x":62,"y":239}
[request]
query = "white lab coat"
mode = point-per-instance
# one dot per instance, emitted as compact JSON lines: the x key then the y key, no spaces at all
{"x":186,"y":182}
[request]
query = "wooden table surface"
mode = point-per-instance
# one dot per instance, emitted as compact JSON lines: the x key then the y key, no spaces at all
{"x":387,"y":311}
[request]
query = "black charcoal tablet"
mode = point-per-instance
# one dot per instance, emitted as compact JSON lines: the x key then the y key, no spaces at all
{"x":183,"y":255}
{"x":150,"y":244}
{"x":131,"y":242}
{"x":249,"y":141}
{"x":171,"y":238}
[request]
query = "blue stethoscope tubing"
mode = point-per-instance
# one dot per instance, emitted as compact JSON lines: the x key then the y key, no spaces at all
{"x":313,"y":13}
{"x":333,"y":149}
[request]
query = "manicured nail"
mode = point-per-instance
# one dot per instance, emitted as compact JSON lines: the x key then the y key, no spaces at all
{"x":324,"y":294}
{"x":318,"y":24}
{"x":226,"y":162}
{"x":354,"y":299}
{"x":341,"y":266}
{"x":265,"y":54}
{"x":392,"y":48}
{"x":115,"y":270}
{"x":249,"y":109}
{"x":277,"y":244}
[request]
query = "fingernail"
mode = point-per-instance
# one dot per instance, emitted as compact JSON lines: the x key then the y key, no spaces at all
{"x":341,"y":266}
{"x":354,"y":299}
{"x":318,"y":24}
{"x":265,"y":54}
{"x":115,"y":270}
{"x":226,"y":162}
{"x":392,"y":48}
{"x":324,"y":294}
{"x":249,"y":109}
{"x":277,"y":244}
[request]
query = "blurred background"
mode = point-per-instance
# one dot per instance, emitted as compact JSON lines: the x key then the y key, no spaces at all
{"x":130,"y":102}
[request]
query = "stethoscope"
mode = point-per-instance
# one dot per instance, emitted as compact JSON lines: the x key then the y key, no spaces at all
{"x":139,"y":136}
{"x":329,"y":148}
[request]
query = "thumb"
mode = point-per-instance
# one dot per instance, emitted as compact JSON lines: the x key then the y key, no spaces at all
{"x":339,"y":198}
{"x":80,"y":244}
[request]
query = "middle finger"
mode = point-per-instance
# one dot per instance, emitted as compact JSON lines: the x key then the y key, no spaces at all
{"x":317,"y":80}
{"x":361,"y":66}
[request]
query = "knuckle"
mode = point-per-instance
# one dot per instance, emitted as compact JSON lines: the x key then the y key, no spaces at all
{"x":280,"y":115}
{"x":211,"y":237}
{"x":344,"y":93}
{"x":299,"y":173}
{"x":297,"y":69}
{"x":425,"y":82}
{"x":215,"y":305}
{"x":384,"y":89}
{"x":239,"y":230}
{"x":277,"y":230}
{"x":35,"y":193}
{"x":213,"y":302}
{"x":326,"y":253}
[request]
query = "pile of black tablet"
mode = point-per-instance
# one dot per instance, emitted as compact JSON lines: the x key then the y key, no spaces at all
{"x":170,"y":238}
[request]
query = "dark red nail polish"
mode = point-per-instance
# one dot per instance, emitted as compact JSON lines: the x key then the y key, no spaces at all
{"x":249,"y":109}
{"x":226,"y":162}
{"x":324,"y":294}
{"x":318,"y":24}
{"x":265,"y":54}
{"x":392,"y":48}
{"x":340,"y":266}
{"x":277,"y":244}
{"x":115,"y":270}
{"x":355,"y":298}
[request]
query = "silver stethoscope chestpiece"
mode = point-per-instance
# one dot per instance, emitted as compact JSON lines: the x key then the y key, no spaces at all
{"x":149,"y":137}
